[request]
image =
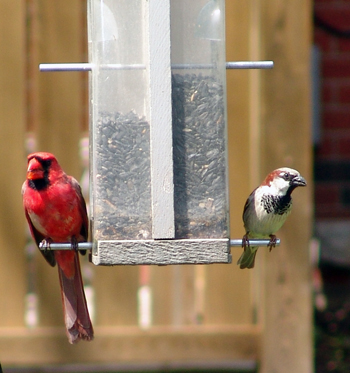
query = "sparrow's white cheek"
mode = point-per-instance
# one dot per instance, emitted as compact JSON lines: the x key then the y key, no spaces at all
{"x":279,"y":187}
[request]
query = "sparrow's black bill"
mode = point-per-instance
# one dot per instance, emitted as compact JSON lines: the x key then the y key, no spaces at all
{"x":299,"y":181}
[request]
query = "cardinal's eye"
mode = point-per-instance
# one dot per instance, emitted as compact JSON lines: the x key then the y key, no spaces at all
{"x":46,"y":164}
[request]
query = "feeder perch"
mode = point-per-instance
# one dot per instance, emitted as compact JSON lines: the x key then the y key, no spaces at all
{"x":158,"y":136}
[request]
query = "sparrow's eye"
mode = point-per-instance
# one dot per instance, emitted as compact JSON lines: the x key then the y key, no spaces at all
{"x":285,"y":176}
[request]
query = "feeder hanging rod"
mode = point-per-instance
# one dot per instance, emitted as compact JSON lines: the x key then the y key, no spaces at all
{"x":88,"y":245}
{"x":84,"y":66}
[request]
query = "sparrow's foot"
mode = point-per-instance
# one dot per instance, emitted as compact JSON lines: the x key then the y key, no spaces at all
{"x":272,"y":243}
{"x":245,"y":241}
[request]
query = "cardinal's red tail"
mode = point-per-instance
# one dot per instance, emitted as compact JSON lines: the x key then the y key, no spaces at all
{"x":76,"y":314}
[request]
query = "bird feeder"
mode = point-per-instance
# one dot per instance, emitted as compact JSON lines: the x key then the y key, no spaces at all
{"x":158,"y":131}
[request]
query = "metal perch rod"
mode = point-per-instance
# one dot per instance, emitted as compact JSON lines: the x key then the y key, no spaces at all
{"x":88,"y":245}
{"x":64,"y":246}
{"x":253,"y":242}
{"x":52,"y":67}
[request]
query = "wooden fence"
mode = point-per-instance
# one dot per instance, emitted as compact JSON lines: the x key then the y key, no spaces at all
{"x":199,"y":313}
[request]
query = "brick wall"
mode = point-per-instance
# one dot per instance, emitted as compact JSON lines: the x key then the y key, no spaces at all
{"x":332,"y":156}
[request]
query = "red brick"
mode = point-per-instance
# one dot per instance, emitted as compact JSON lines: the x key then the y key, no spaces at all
{"x":335,"y":143}
{"x":343,"y":147}
{"x":344,"y":92}
{"x":336,"y":15}
{"x":326,"y":194}
{"x":334,"y":3}
{"x":324,"y":41}
{"x":344,"y":44}
{"x":326,"y":148}
{"x":336,"y":66}
{"x":336,"y":118}
{"x":330,"y":209}
{"x":327,"y":4}
{"x":329,"y":91}
{"x":331,"y":212}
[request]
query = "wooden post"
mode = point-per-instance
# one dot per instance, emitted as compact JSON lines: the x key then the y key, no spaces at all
{"x":56,"y":120}
{"x":287,"y":338}
{"x":12,"y":165}
{"x":58,"y":126}
{"x":237,"y":305}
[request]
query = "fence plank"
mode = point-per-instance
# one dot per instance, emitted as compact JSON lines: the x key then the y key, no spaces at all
{"x":233,"y":303}
{"x":58,"y":127}
{"x":116,"y":295}
{"x":12,"y":166}
{"x":112,"y":345}
{"x":287,"y":122}
{"x":54,"y":111}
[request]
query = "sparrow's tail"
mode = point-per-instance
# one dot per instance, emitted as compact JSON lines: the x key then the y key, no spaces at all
{"x":76,"y":314}
{"x":247,"y":259}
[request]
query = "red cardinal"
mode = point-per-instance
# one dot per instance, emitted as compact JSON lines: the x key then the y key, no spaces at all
{"x":56,"y":212}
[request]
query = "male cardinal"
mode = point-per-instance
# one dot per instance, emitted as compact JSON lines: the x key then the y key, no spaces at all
{"x":56,"y":212}
{"x":266,"y":210}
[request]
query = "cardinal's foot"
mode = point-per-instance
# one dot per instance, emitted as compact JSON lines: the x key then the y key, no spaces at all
{"x":74,"y":243}
{"x":45,"y":244}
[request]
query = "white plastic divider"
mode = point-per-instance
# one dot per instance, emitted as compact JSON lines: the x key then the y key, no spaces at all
{"x":161,"y":134}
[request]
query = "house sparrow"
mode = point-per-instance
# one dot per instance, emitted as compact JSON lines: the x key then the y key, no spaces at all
{"x":266,"y":210}
{"x":55,"y":210}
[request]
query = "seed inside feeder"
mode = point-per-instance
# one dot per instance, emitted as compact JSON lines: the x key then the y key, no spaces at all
{"x":199,"y":157}
{"x":122,"y":145}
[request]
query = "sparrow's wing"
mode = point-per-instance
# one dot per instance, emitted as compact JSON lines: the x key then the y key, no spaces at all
{"x":48,"y":255}
{"x":249,"y":202}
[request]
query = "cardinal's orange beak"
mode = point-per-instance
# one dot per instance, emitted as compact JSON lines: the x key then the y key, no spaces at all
{"x":35,"y":170}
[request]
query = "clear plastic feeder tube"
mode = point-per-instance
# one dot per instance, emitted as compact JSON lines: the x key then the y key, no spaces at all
{"x":158,"y":119}
{"x":119,"y":121}
{"x":199,"y":118}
